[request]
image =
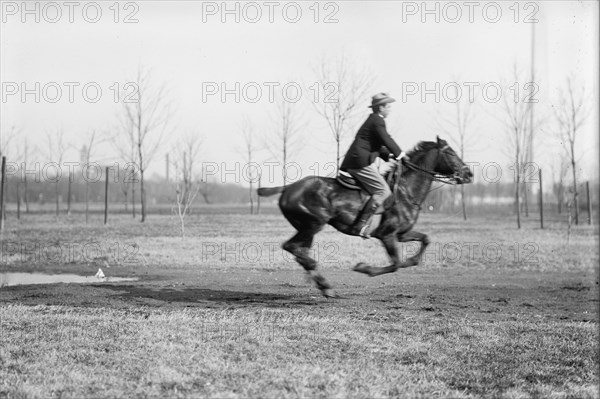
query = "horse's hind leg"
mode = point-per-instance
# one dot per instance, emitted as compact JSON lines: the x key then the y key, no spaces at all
{"x":415,"y":236}
{"x":299,"y":246}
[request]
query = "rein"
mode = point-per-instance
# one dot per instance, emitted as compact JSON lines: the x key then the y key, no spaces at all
{"x":437,"y":177}
{"x":394,"y":176}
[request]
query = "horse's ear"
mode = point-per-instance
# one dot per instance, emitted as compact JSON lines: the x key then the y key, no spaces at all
{"x":437,"y":138}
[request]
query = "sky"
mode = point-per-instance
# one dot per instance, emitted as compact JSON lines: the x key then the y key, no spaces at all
{"x":191,"y":47}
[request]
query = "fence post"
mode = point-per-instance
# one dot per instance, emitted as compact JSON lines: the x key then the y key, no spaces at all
{"x":258,"y":196}
{"x":2,"y":193}
{"x":589,"y":203}
{"x":69,"y":194}
{"x":541,"y":201}
{"x":106,"y":197}
{"x":18,"y":200}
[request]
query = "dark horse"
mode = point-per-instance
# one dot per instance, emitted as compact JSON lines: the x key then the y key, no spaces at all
{"x":312,"y":202}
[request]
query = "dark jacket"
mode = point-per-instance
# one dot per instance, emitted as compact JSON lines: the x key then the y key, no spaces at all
{"x":368,"y":143}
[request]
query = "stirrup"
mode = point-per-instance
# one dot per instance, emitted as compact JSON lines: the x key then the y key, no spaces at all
{"x":364,"y":232}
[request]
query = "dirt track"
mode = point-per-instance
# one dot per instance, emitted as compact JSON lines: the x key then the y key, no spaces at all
{"x":486,"y":295}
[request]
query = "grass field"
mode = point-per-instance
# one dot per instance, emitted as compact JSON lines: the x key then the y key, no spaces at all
{"x":491,"y":311}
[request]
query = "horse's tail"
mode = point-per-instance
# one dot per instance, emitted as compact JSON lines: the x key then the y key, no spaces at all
{"x":267,"y":191}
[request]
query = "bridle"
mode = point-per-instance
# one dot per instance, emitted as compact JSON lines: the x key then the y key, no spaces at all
{"x":394,"y":176}
{"x":452,"y":180}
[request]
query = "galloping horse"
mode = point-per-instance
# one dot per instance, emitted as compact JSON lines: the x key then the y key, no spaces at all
{"x":312,"y":202}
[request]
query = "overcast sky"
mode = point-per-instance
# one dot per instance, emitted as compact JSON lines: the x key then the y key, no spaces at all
{"x":188,"y":46}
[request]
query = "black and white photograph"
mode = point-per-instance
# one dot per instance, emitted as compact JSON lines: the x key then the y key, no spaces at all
{"x":299,"y":199}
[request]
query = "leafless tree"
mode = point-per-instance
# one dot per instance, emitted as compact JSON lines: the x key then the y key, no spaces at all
{"x":458,"y":129}
{"x":248,"y":153}
{"x":559,"y":173}
{"x":186,"y":153}
{"x":206,"y":186}
{"x":341,"y":87}
{"x":288,"y":125}
{"x":144,"y":124}
{"x":6,"y":140}
{"x":56,"y":152}
{"x":570,"y":114}
{"x":87,"y":152}
{"x":131,"y":175}
{"x":25,"y":153}
{"x":124,"y":142}
{"x":5,"y":147}
{"x":14,"y":154}
{"x":516,"y":116}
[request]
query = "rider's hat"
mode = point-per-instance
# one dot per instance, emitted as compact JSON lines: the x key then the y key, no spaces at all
{"x":381,"y":98}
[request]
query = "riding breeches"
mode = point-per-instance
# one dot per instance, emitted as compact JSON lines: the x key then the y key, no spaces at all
{"x":370,"y":178}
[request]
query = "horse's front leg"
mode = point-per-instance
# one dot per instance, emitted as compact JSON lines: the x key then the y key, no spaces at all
{"x":389,"y":243}
{"x":414,"y":236}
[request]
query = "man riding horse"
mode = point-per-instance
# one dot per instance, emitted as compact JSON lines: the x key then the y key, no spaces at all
{"x":314,"y":201}
{"x":360,"y":161}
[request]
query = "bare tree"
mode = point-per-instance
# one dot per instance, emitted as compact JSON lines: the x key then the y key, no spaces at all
{"x":144,"y":124}
{"x":186,"y":151}
{"x":458,"y":129}
{"x":288,"y":125}
{"x":5,"y":145}
{"x":516,"y":116}
{"x":26,"y":151}
{"x":131,"y":174}
{"x":343,"y":86}
{"x":124,"y":142}
{"x":559,"y":173}
{"x":248,"y":151}
{"x":56,"y":152}
{"x":186,"y":189}
{"x":570,"y":113}
{"x":206,"y":187}
{"x":6,"y":139}
{"x":87,"y":152}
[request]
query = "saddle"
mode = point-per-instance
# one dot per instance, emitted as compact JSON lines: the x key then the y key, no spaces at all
{"x":346,"y":180}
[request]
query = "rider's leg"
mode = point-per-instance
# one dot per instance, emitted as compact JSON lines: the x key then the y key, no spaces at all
{"x":362,"y":222}
{"x":375,"y":184}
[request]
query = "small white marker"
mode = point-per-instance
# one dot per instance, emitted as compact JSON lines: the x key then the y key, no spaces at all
{"x":99,"y":274}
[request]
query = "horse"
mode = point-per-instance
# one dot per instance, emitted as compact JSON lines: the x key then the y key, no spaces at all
{"x":312,"y":202}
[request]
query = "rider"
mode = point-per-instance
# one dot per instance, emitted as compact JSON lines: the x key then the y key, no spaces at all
{"x":360,"y":161}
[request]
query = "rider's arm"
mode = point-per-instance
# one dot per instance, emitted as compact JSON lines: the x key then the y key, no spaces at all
{"x":385,"y":138}
{"x":384,"y":153}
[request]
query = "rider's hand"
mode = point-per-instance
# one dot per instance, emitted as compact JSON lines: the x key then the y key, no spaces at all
{"x":403,"y":157}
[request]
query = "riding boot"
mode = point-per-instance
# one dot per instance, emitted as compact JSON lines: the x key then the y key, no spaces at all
{"x":361,"y":224}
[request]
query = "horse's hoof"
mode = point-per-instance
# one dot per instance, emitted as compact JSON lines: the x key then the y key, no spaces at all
{"x":328,"y":293}
{"x":362,"y":268}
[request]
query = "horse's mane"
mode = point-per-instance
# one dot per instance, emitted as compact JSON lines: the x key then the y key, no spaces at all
{"x":422,"y":146}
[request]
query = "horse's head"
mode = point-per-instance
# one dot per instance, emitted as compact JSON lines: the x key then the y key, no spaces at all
{"x":449,"y":164}
{"x":440,"y":159}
